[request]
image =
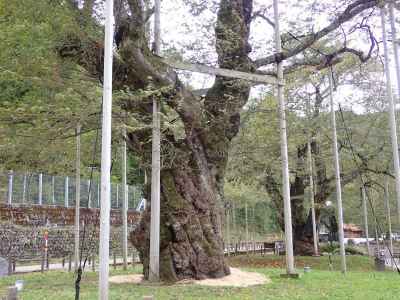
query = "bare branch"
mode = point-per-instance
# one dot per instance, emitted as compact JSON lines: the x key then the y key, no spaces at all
{"x":350,"y":12}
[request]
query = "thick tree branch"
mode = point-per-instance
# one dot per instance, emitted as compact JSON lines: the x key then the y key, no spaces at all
{"x":350,"y":12}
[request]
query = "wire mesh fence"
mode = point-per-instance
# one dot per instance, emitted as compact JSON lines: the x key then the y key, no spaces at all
{"x":48,"y":190}
{"x":247,"y":227}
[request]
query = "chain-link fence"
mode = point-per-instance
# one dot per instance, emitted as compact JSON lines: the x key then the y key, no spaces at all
{"x":48,"y":190}
{"x":248,"y":227}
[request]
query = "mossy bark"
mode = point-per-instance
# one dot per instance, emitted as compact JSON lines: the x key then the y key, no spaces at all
{"x":194,"y":145}
{"x":191,"y":243}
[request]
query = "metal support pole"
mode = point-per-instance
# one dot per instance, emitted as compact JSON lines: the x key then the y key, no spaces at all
{"x":98,"y":194}
{"x":247,"y":225}
{"x":234,"y":228}
{"x":253,"y":217}
{"x":337,"y":175}
{"x":397,"y":67}
{"x":124,"y":202}
{"x":311,"y":179}
{"x":387,"y":202}
{"x":89,"y":183}
{"x":377,"y":239}
{"x":40,"y":192}
{"x":53,"y":192}
{"x":395,"y":46}
{"x":284,"y":152}
{"x":154,"y":264}
{"x":66,"y":192}
{"x":77,"y":196}
{"x":365,"y":213}
{"x":127,"y":198}
{"x":24,"y":189}
{"x":10,"y":187}
{"x":117,"y":196}
{"x":228,"y":231}
{"x":106,"y":154}
{"x":392,"y":112}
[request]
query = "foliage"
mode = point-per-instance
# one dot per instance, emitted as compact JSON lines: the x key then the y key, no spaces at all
{"x":333,"y":248}
{"x":43,"y":97}
{"x":362,"y":131}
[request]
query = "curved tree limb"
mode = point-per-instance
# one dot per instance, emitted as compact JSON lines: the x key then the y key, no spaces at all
{"x":350,"y":12}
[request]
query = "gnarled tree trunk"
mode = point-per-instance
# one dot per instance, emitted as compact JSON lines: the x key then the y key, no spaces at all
{"x":191,"y":243}
{"x":324,"y":187}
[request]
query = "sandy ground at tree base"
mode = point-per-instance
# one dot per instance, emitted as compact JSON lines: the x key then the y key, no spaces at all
{"x":237,"y":278}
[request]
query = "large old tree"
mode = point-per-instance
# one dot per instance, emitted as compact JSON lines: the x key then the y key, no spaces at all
{"x":324,"y":182}
{"x":195,"y":149}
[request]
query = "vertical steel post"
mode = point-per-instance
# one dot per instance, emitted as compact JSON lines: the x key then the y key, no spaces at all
{"x":66,"y":192}
{"x":311,"y":181}
{"x":98,"y":194}
{"x":365,"y":213}
{"x":154,"y":267}
{"x":247,"y":225}
{"x":40,"y":190}
{"x":106,"y":154}
{"x":387,"y":202}
{"x":77,"y":196}
{"x":337,"y":176}
{"x":228,"y":231}
{"x":24,"y":189}
{"x":89,"y":184}
{"x":53,"y":192}
{"x":395,"y":46}
{"x":124,"y":209}
{"x":284,"y":151}
{"x":10,"y":187}
{"x":117,"y":196}
{"x":391,"y":111}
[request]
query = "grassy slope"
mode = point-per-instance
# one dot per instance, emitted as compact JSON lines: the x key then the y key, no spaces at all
{"x":319,"y":284}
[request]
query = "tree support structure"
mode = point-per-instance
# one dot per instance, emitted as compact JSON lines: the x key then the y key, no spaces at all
{"x":337,"y":177}
{"x":391,"y":111}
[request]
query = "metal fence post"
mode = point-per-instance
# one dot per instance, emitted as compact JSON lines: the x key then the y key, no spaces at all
{"x":98,"y":194}
{"x":53,"y":192}
{"x":24,"y":189}
{"x":10,"y":187}
{"x":117,"y":195}
{"x":66,"y":192}
{"x":40,"y":189}
{"x":127,"y":197}
{"x":89,"y":193}
{"x":134,"y":197}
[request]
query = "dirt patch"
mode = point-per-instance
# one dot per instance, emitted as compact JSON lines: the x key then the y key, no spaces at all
{"x":132,"y":278}
{"x":237,"y":278}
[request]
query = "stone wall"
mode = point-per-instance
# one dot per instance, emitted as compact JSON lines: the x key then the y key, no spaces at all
{"x":22,"y":230}
{"x":24,"y":242}
{"x":58,"y":215}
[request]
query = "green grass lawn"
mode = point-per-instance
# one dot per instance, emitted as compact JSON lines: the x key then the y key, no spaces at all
{"x":360,"y":283}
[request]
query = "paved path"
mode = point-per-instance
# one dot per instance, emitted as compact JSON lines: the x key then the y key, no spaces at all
{"x":59,"y":266}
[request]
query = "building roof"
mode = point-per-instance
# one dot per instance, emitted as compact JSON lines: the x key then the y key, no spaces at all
{"x":352,"y":227}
